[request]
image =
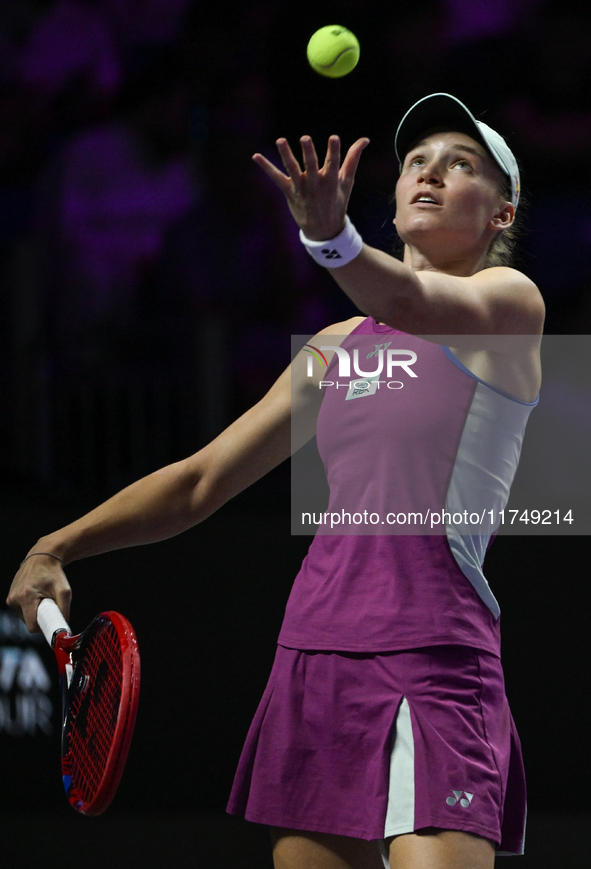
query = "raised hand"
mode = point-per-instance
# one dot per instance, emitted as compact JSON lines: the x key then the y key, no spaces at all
{"x":317,"y":198}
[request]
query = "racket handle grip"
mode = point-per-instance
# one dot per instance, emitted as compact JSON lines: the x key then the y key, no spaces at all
{"x":51,"y":620}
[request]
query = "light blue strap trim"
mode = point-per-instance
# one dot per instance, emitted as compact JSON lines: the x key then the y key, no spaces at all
{"x":467,"y":371}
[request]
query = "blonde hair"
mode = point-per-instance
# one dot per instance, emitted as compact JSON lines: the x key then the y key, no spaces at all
{"x":502,"y":248}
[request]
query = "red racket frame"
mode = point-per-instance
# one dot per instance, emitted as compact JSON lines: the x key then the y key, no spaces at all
{"x":89,"y":788}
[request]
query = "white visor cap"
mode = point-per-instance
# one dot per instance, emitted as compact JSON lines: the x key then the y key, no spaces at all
{"x":444,"y":110}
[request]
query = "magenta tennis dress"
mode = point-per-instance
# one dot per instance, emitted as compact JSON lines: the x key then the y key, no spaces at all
{"x":385,"y":711}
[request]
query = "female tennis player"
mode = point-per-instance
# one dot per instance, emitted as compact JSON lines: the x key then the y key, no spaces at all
{"x":384,"y":732}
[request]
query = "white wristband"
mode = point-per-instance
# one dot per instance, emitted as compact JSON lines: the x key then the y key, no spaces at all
{"x":337,"y":251}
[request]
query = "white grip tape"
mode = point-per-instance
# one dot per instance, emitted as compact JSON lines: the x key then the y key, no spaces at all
{"x":50,"y":619}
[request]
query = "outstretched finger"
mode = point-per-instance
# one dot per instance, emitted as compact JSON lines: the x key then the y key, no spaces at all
{"x":282,"y":181}
{"x":332,"y":160}
{"x":351,"y":161}
{"x":293,"y":168}
{"x":309,"y":154}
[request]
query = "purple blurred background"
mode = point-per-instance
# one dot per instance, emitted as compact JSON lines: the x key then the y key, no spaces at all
{"x":151,"y":275}
{"x":151,"y":278}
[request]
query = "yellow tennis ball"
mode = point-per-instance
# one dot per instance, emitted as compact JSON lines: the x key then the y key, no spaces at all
{"x":333,"y":51}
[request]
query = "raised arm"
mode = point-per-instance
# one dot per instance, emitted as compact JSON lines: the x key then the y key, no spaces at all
{"x":178,"y":496}
{"x":494,"y":301}
{"x":422,"y":301}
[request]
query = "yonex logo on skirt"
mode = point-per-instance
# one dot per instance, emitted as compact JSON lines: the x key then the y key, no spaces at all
{"x":464,"y":800}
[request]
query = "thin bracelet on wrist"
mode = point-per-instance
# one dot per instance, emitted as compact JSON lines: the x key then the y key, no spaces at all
{"x":51,"y":555}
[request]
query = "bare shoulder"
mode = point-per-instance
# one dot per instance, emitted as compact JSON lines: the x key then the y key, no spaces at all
{"x":494,"y":301}
{"x":344,"y":328}
{"x":306,"y":371}
{"x":509,"y":358}
{"x":332,"y":335}
{"x":517,"y":295}
{"x":305,"y":374}
{"x":503,"y":276}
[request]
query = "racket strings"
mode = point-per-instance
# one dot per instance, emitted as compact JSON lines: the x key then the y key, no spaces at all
{"x":94,"y":713}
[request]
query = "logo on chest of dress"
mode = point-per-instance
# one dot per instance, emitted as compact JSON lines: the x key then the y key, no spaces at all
{"x":368,"y":382}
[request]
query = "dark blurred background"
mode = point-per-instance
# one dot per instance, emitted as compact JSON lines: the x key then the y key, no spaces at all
{"x":151,"y":279}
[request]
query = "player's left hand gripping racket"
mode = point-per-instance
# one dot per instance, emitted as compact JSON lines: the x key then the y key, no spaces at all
{"x":100,"y":680}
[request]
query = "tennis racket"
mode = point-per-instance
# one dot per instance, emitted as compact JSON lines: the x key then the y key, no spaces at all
{"x":100,"y":679}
